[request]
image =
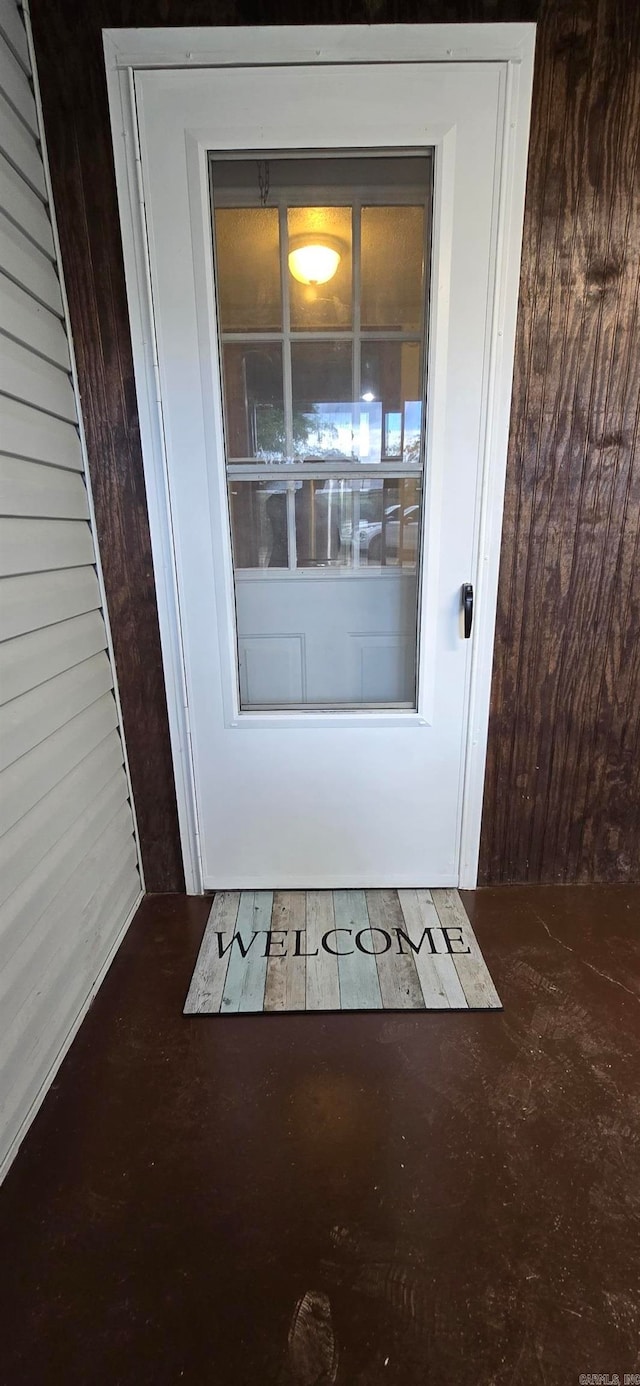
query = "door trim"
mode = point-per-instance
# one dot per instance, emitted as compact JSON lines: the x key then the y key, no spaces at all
{"x":511,"y":45}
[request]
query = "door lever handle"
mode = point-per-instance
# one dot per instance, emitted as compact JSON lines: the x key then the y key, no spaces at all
{"x":467,"y":607}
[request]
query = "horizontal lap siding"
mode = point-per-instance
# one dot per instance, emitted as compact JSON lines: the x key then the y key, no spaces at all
{"x":22,"y":261}
{"x":30,"y":490}
{"x":13,"y":33}
{"x":54,"y":596}
{"x":40,"y":655}
{"x":28,"y":377}
{"x":24,"y":209}
{"x":21,"y":148}
{"x":68,"y":871}
{"x":14,"y":84}
{"x":33,"y":324}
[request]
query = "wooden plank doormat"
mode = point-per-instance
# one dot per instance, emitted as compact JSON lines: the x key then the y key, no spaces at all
{"x":339,"y":950}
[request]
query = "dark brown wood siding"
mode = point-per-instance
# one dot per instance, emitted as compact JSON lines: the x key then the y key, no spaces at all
{"x":562,"y":793}
{"x":562,"y":788}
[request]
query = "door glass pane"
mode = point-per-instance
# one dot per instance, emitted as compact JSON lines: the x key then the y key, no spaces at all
{"x":254,"y":400}
{"x":346,"y":523}
{"x":391,"y":539}
{"x":248,"y":269}
{"x":321,"y":306}
{"x":392,"y":268}
{"x":323,"y":524}
{"x":259,"y":523}
{"x":390,"y":376}
{"x":323,"y":394}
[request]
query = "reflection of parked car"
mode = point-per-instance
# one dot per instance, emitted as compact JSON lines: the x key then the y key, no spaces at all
{"x":377,"y":538}
{"x":324,"y":525}
{"x":400,"y":529}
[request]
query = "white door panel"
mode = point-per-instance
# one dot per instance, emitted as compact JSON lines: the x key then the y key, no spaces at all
{"x":316,"y":797}
{"x":339,"y":638}
{"x":272,"y":667}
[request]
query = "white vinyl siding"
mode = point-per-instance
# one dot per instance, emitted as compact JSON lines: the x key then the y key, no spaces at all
{"x":69,"y":877}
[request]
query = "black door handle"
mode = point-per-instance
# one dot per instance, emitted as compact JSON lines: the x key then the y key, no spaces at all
{"x":467,"y":607}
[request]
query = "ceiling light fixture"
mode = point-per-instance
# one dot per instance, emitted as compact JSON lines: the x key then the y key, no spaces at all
{"x":314,"y":259}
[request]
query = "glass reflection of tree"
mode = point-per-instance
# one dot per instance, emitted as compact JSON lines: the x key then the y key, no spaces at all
{"x":270,"y":433}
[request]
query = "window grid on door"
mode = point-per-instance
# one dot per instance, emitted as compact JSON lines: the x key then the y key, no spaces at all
{"x":399,"y":479}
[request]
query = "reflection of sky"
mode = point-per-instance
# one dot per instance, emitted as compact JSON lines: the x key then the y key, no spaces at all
{"x":354,"y":431}
{"x":345,"y":430}
{"x":412,"y":425}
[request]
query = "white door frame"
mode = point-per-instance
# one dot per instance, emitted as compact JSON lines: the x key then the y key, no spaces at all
{"x":511,"y":46}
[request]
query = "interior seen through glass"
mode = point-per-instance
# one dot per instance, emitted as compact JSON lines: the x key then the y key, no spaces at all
{"x":321,"y":280}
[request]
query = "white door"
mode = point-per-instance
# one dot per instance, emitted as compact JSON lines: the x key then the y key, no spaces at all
{"x":324,"y":249}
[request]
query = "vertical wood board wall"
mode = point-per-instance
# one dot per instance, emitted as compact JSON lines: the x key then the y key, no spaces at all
{"x":562,"y":793}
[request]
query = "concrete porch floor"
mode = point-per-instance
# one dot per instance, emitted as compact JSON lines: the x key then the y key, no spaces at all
{"x":463,"y":1191}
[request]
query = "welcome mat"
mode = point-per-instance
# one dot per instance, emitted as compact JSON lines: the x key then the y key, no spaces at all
{"x":339,"y":950}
